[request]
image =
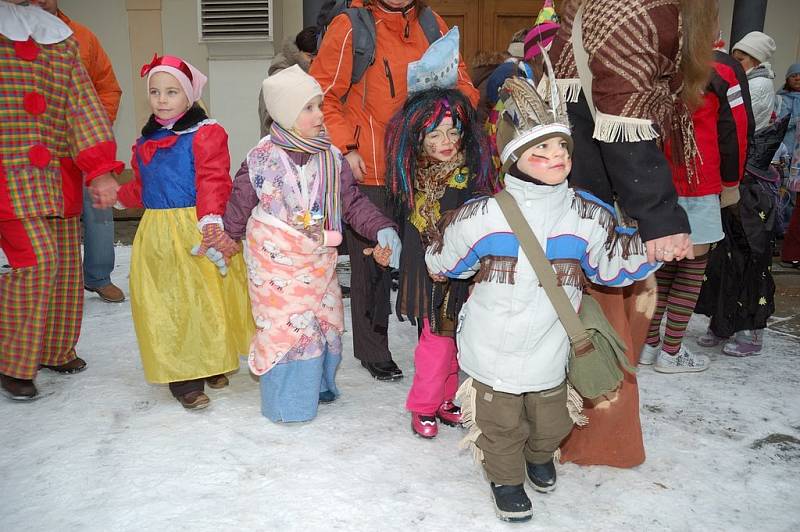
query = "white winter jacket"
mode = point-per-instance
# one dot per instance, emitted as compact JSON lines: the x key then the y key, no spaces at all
{"x":762,"y":93}
{"x":509,"y":336}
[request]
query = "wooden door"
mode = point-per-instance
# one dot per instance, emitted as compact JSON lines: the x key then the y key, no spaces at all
{"x":487,"y":25}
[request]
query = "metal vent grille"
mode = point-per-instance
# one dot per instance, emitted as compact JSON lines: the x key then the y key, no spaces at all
{"x":235,"y":20}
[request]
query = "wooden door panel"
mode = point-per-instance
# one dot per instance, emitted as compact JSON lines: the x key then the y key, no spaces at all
{"x":461,"y":13}
{"x":503,"y":18}
{"x":487,"y":25}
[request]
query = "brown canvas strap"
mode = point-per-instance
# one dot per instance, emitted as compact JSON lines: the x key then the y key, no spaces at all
{"x":544,"y":271}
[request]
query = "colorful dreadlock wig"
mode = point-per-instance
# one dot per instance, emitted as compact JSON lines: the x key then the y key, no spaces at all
{"x":422,"y":113}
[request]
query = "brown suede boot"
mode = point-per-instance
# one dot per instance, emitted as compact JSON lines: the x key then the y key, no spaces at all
{"x":194,"y":400}
{"x":217,"y":381}
{"x":18,"y":389}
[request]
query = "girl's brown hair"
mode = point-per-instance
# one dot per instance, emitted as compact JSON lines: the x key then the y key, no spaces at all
{"x":700,"y":22}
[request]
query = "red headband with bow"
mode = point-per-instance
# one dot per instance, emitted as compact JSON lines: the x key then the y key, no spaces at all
{"x":166,"y":60}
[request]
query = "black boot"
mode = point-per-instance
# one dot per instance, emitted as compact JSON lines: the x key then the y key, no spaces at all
{"x":384,"y":371}
{"x":511,"y":503}
{"x":542,"y":476}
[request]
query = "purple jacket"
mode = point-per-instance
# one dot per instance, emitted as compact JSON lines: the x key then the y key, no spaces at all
{"x":358,"y":211}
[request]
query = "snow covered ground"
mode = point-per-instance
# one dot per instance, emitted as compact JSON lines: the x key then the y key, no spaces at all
{"x":106,"y":451}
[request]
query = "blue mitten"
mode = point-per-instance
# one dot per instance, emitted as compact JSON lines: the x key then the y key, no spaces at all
{"x":388,"y":237}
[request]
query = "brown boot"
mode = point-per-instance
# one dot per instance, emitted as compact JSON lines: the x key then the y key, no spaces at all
{"x":217,"y":381}
{"x":194,"y":400}
{"x":18,"y":389}
{"x":108,"y":293}
{"x":76,"y":365}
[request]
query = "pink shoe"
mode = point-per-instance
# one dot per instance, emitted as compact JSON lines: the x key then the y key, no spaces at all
{"x":424,"y":425}
{"x":449,"y":414}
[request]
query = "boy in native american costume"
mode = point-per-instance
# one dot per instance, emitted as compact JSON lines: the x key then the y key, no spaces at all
{"x":511,"y":342}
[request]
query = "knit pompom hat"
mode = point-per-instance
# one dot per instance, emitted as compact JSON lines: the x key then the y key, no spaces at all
{"x":527,"y":119}
{"x":287,"y":92}
{"x":758,"y":45}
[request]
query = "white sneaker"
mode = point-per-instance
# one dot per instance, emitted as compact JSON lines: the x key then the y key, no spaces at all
{"x":648,"y":354}
{"x":684,"y":362}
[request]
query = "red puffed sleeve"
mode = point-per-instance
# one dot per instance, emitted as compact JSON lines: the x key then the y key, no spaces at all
{"x":130,"y":194}
{"x":212,"y":164}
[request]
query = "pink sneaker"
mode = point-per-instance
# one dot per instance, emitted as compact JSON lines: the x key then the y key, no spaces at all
{"x":424,"y":425}
{"x":449,"y":414}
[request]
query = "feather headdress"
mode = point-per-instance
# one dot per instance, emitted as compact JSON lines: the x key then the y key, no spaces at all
{"x":528,"y":118}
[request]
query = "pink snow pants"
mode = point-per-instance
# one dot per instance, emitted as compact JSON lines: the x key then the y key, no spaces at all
{"x":436,"y":372}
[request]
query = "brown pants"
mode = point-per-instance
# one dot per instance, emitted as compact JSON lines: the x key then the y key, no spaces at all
{"x":516,"y":428}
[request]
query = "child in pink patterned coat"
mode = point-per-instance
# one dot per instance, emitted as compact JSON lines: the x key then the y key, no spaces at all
{"x":293,"y":193}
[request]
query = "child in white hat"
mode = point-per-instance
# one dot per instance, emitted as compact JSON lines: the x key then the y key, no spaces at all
{"x":754,"y":51}
{"x":289,"y":202}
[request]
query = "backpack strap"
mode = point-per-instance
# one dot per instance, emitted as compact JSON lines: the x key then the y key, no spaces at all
{"x":364,"y":42}
{"x":429,"y":24}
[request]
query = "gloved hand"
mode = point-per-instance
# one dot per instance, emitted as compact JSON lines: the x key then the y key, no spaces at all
{"x":388,"y":237}
{"x":730,"y":196}
{"x":217,"y":246}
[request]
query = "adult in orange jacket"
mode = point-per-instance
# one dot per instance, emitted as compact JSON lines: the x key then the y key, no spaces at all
{"x":98,"y":241}
{"x":357,"y":126}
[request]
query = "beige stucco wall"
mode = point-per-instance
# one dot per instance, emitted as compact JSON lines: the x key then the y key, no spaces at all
{"x":235,"y":71}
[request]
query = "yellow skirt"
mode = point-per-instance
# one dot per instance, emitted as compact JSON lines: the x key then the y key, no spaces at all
{"x":190,"y":321}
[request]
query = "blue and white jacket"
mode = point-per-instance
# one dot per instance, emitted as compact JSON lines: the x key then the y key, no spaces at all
{"x":509,"y":335}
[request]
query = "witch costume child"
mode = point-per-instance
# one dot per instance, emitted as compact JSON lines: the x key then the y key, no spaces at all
{"x":437,"y":159}
{"x":293,"y":194}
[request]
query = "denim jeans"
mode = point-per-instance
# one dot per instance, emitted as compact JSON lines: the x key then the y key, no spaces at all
{"x":98,"y":244}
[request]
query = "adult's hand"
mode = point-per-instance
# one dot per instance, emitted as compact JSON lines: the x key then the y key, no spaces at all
{"x":357,"y":165}
{"x":103,"y":191}
{"x":669,"y":248}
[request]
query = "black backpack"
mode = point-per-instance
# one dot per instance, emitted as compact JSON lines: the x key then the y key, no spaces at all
{"x":364,"y":32}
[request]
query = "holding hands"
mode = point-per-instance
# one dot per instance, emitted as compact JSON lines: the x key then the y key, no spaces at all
{"x":387,"y":252}
{"x":103,"y":191}
{"x":669,"y":248}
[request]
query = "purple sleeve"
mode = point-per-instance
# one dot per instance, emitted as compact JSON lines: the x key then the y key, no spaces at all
{"x":358,"y":211}
{"x":241,"y":203}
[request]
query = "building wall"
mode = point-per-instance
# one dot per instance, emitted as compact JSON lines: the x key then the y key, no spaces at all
{"x":132,"y":30}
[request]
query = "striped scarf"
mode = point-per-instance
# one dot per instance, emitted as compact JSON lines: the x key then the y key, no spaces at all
{"x":320,"y":150}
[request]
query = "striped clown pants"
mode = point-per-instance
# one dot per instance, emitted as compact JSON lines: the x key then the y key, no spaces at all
{"x":42,"y":297}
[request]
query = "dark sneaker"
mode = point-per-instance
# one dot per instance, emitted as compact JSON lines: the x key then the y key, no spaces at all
{"x":327,"y":396}
{"x":18,"y":389}
{"x":542,"y":476}
{"x":194,"y":400}
{"x":384,"y":371}
{"x":511,"y":503}
{"x":76,"y":365}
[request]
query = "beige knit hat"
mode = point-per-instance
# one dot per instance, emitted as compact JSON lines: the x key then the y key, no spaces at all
{"x":758,"y":45}
{"x":287,"y":92}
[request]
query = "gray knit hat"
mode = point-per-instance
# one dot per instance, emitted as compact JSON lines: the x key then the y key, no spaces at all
{"x":758,"y":45}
